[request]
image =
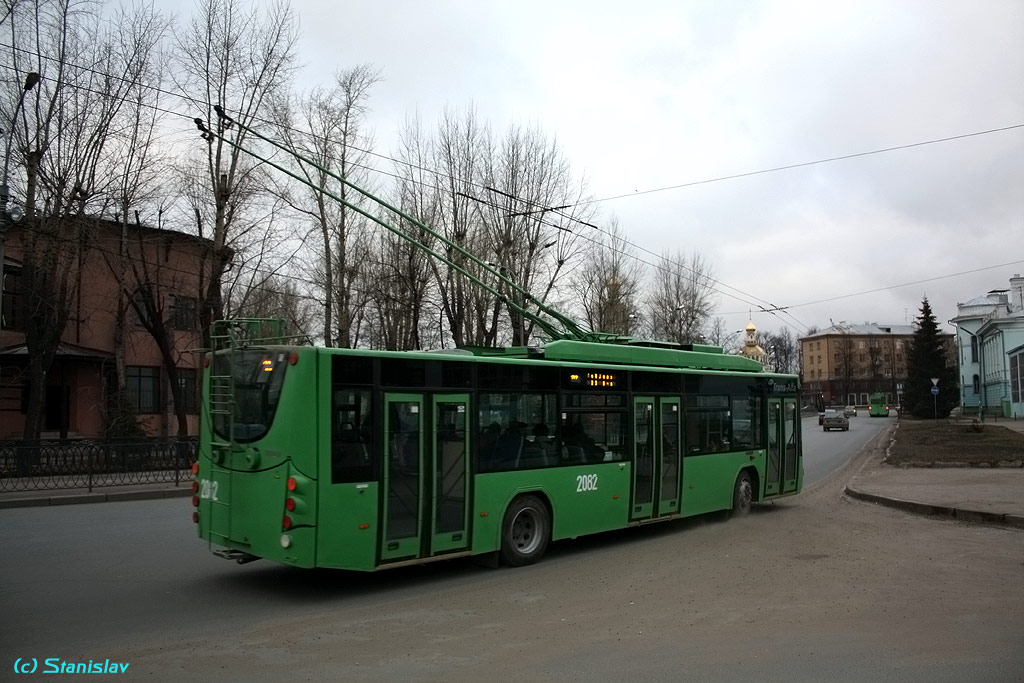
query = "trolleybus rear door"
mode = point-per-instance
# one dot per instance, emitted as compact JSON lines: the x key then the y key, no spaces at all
{"x":656,"y":467}
{"x":450,"y":474}
{"x":403,"y":485}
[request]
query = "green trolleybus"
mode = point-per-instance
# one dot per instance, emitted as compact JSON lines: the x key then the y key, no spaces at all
{"x":365,"y":460}
{"x":877,"y":405}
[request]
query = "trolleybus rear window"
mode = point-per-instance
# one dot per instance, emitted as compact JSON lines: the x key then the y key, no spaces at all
{"x":256,"y":379}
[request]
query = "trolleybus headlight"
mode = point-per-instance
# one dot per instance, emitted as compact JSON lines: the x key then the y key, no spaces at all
{"x":286,"y":541}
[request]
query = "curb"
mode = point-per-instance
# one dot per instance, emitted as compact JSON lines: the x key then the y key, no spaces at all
{"x":76,"y":498}
{"x":961,"y":514}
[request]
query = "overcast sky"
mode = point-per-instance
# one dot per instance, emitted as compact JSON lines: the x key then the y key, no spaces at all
{"x":668,"y":93}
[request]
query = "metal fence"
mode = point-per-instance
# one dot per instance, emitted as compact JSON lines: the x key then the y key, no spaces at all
{"x":78,"y":464}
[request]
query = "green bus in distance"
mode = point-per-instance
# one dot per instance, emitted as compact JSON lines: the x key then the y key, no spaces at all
{"x":366,"y":460}
{"x":877,"y":405}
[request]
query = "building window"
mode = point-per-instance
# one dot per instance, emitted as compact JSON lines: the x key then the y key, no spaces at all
{"x":185,"y":308}
{"x":12,"y":306}
{"x":188,"y":390}
{"x":143,"y":385}
{"x":976,"y":384}
{"x":974,"y":349}
{"x":1015,"y":377}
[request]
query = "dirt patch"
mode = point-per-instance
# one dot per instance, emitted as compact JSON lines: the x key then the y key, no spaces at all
{"x":931,"y":443}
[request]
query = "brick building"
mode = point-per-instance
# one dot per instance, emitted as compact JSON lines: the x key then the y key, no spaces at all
{"x":82,"y":380}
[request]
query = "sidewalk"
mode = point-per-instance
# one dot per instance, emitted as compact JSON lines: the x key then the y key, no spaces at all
{"x":99,"y":494}
{"x":976,"y":494}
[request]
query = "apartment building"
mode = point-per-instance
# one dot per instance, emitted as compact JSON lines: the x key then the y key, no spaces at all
{"x":848,"y":362}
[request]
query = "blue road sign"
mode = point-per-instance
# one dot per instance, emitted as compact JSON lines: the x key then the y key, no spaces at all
{"x":935,"y":391}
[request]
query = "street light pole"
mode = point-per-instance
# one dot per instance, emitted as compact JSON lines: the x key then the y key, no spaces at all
{"x":31,"y":78}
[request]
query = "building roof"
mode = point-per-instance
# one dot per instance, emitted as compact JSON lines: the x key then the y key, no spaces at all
{"x":64,"y":350}
{"x":863,"y":330}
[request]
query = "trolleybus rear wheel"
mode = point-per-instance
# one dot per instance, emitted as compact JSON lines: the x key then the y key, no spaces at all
{"x":525,"y":531}
{"x":743,"y":495}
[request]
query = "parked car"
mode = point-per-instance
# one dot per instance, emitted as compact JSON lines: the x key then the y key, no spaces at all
{"x":833,"y":419}
{"x":850,"y":411}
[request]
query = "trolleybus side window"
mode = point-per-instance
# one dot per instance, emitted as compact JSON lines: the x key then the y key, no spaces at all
{"x":593,"y":428}
{"x":708,"y":425}
{"x":516,"y":431}
{"x":746,"y":423}
{"x":352,"y":443}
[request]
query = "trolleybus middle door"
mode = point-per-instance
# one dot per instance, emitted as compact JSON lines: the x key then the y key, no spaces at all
{"x":657,"y":462}
{"x":449,"y":509}
{"x":403,"y":483}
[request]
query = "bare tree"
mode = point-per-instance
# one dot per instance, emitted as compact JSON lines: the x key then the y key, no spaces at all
{"x":329,"y":129}
{"x":719,"y":334}
{"x":781,"y":349}
{"x":280,"y":297}
{"x":682,"y":299}
{"x":234,"y":56}
{"x":399,"y":279}
{"x":535,"y":205}
{"x":66,"y":142}
{"x":608,"y":284}
{"x":845,"y":363}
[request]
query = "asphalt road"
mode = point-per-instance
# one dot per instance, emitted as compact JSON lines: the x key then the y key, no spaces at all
{"x":809,"y":589}
{"x":824,"y":452}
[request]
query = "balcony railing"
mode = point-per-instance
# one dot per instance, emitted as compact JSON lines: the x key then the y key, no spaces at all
{"x":85,"y":464}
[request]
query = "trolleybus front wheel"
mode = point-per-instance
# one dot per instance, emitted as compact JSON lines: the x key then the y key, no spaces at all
{"x":525,"y":532}
{"x":743,"y":495}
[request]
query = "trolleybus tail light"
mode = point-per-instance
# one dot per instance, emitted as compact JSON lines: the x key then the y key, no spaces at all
{"x":195,"y":516}
{"x":195,"y":468}
{"x":299,"y":505}
{"x":195,"y":501}
{"x":293,"y":358}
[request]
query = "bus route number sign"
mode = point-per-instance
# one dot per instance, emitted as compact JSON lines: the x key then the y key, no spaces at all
{"x":594,"y":380}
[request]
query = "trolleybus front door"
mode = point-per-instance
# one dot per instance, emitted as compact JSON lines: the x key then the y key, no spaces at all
{"x":425,"y":474}
{"x":657,"y":465}
{"x":790,"y":445}
{"x":783,"y":447}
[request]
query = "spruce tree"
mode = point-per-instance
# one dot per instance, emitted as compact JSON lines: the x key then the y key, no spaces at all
{"x":927,"y":359}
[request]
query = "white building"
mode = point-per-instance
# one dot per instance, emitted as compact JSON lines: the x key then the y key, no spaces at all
{"x":990,"y":351}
